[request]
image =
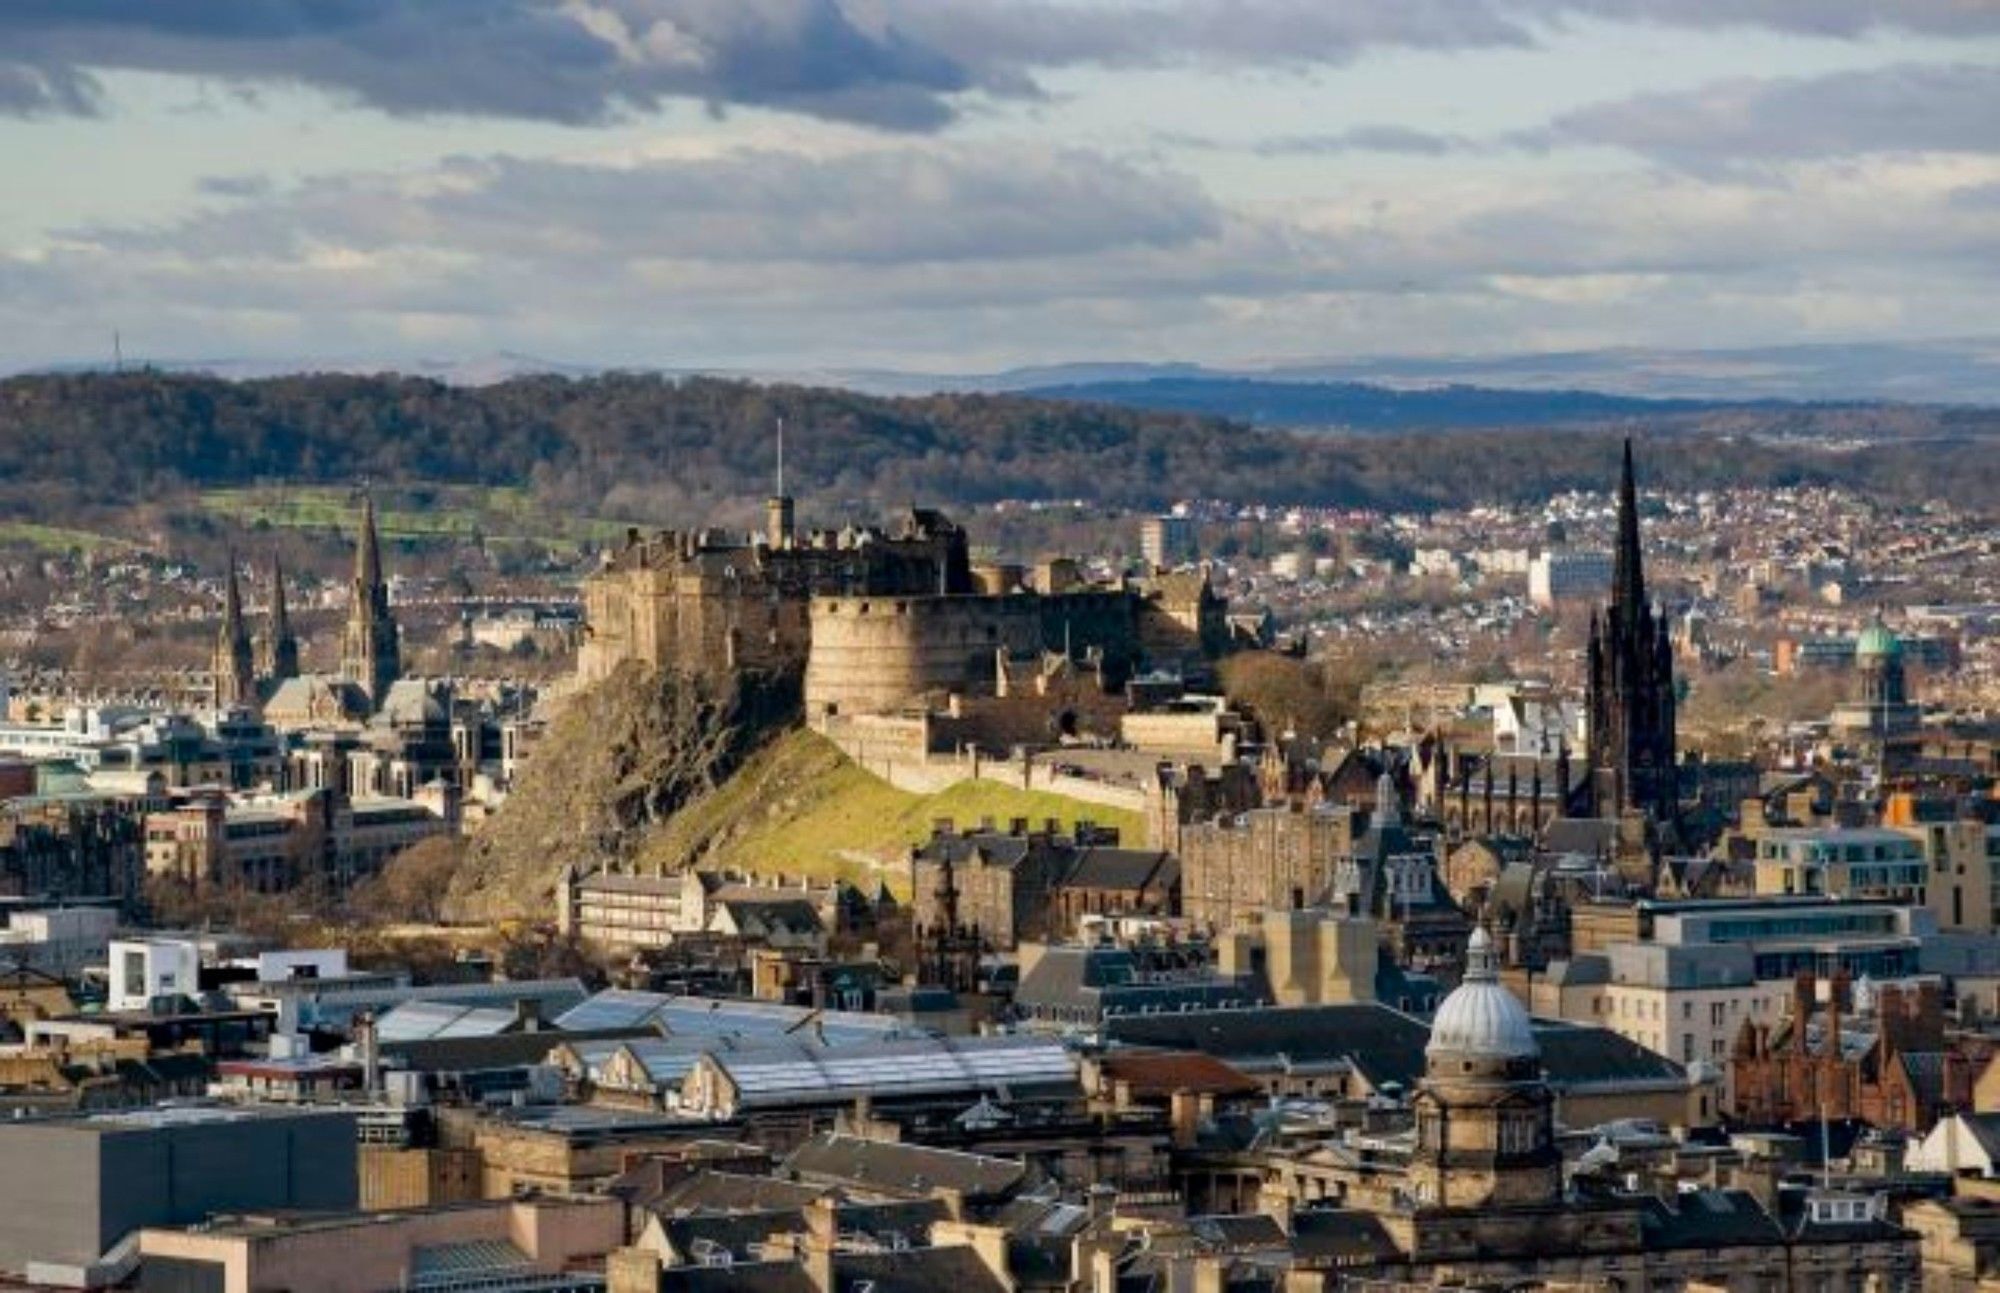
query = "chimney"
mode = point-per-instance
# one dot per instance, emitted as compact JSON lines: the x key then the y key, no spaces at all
{"x":527,"y":1015}
{"x":822,"y":1237}
{"x":1186,"y":1119}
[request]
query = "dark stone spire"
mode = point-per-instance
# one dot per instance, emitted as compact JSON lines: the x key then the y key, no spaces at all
{"x":371,"y":648}
{"x":282,"y":661}
{"x":233,"y":679}
{"x":1628,"y":575}
{"x":1632,"y":704}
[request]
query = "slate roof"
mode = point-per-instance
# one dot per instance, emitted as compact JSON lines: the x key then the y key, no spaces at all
{"x":1582,"y":1054}
{"x":1238,"y":1231}
{"x":1122,"y":870}
{"x":506,"y":1051}
{"x":1383,"y":1044}
{"x":919,"y":1270}
{"x":1338,"y":1236}
{"x":1108,"y":980}
{"x":711,"y":1192}
{"x":740,"y":1277}
{"x":898,"y":1167}
{"x":1709,"y":1219}
{"x":992,"y":847}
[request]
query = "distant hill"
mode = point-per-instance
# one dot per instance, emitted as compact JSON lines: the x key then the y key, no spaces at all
{"x":1356,"y":406}
{"x":685,"y":452}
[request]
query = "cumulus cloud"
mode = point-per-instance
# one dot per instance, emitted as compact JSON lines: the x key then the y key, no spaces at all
{"x":962,"y":254}
{"x":904,"y":64}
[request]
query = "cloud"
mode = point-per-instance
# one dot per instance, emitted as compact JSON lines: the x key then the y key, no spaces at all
{"x":903,"y":206}
{"x":899,"y":64}
{"x":30,"y":91}
{"x":575,"y":61}
{"x":1366,"y":139}
{"x":1905,"y":108}
{"x":932,"y":253}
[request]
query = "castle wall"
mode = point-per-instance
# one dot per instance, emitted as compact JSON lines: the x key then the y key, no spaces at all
{"x":873,"y":655}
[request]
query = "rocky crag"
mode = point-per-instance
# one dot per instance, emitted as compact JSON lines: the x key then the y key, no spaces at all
{"x":619,"y":760}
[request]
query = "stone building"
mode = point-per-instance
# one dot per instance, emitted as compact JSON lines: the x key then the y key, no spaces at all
{"x":705,"y":600}
{"x":1237,"y":867}
{"x":1878,"y":1054}
{"x":878,"y":621}
{"x":1031,"y":884}
{"x":1481,"y":1200}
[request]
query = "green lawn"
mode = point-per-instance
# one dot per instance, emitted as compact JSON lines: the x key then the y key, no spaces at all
{"x":56,"y":538}
{"x":453,"y":512}
{"x":801,"y":807}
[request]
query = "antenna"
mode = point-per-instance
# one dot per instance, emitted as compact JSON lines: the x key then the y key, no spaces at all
{"x":781,"y":457}
{"x":117,"y":352}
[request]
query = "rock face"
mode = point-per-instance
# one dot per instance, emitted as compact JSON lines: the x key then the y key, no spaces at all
{"x":620,"y":758}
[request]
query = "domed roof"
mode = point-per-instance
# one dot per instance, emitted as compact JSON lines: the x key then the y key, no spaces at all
{"x":1481,"y":1020}
{"x":1877,"y":642}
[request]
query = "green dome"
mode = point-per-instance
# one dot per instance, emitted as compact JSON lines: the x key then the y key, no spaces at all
{"x":1877,"y":642}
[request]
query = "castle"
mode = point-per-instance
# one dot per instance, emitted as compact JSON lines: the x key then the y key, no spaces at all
{"x":879,"y":620}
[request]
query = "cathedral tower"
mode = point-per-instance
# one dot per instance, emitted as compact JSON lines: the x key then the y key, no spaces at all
{"x":232,"y":672}
{"x":1631,"y":661}
{"x":371,"y":646}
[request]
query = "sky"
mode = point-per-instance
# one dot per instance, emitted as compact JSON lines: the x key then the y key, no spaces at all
{"x":967,"y":185}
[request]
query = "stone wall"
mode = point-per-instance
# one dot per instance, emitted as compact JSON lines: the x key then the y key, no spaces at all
{"x":877,"y":655}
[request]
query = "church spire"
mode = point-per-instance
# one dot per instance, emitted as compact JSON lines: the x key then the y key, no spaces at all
{"x":232,"y":671}
{"x":283,"y":644}
{"x":1628,"y":579}
{"x":368,"y":553}
{"x":371,"y":648}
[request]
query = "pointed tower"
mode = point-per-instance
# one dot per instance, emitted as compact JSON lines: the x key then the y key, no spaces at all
{"x":232,"y":671}
{"x":1632,"y":722}
{"x":281,"y":645}
{"x":371,"y":647}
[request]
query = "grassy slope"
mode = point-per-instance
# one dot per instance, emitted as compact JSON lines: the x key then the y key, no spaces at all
{"x":55,"y":538}
{"x":802,"y":806}
{"x":460,"y":512}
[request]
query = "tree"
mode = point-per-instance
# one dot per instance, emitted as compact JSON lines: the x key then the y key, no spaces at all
{"x":1283,"y":692}
{"x":410,"y":887}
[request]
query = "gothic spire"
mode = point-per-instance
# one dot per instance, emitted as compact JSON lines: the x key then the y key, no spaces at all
{"x":282,"y":660}
{"x":232,"y":604}
{"x":231,"y":669}
{"x":1628,"y":579}
{"x":368,"y":553}
{"x":281,"y":619}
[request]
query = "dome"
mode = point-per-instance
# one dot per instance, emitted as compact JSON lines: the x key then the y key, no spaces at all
{"x":1481,"y":1020}
{"x":1878,"y":643}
